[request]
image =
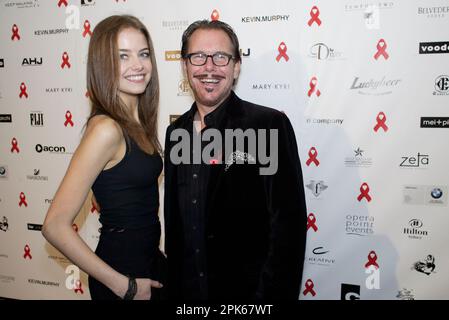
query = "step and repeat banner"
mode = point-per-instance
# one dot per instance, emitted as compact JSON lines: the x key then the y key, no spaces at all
{"x":364,"y":83}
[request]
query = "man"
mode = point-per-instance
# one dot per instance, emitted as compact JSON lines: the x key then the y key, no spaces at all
{"x":235,"y":228}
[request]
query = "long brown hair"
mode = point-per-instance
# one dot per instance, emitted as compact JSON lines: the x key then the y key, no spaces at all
{"x":103,"y":73}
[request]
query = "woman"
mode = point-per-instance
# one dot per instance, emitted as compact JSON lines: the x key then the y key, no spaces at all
{"x":119,"y":158}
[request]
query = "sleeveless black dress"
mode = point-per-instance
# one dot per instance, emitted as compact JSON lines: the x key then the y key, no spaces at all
{"x":128,"y":196}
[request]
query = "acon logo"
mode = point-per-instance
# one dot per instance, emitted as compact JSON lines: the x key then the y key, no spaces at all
{"x":52,"y":149}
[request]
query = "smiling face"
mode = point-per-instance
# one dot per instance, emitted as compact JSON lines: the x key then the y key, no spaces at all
{"x":135,"y":64}
{"x":210,"y":84}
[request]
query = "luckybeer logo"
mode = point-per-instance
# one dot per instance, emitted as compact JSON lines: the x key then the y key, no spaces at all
{"x":374,"y":87}
{"x":30,"y":62}
{"x":174,"y":55}
{"x":434,"y":47}
{"x":418,"y":161}
{"x":36,"y":119}
{"x":441,"y":86}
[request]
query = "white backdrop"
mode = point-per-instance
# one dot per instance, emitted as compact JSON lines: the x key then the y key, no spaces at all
{"x":355,"y":77}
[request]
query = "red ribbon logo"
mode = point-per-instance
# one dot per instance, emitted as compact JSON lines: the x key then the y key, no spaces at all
{"x":381,"y":119}
{"x":312,"y":87}
{"x":381,"y":50}
{"x":282,"y":49}
{"x":311,"y":222}
{"x":23,"y":90}
{"x":314,"y":13}
{"x":87,"y":29}
{"x":94,"y":208}
{"x":14,"y":145}
{"x":27,"y":253}
{"x":312,"y":157}
{"x":364,"y":189}
{"x":62,"y":2}
{"x":65,"y":61}
{"x":78,"y":287}
{"x":68,"y":119}
{"x":15,"y":32}
{"x":309,"y":288}
{"x":372,"y":260}
{"x":215,"y":15}
{"x":22,"y":200}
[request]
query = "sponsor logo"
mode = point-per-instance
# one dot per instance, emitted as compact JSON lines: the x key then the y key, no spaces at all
{"x":271,"y":18}
{"x":321,"y":51}
{"x":5,"y":278}
{"x":320,"y":257}
{"x":434,"y":122}
{"x":3,"y":172}
{"x":316,"y":187}
{"x":51,"y":149}
{"x":405,"y":294}
{"x":58,"y":90}
{"x":22,"y":4}
{"x":46,"y":32}
{"x":183,"y":88}
{"x":30,"y":62}
{"x":175,"y":24}
{"x":34,"y":227}
{"x":5,"y":118}
{"x":173,"y":55}
{"x":425,"y":195}
{"x":350,"y":292}
{"x":36,"y":119}
{"x":418,"y":161}
{"x":363,"y":5}
{"x":2,"y":63}
{"x":433,"y":47}
{"x":441,"y":86}
{"x":433,"y":12}
{"x":374,"y":87}
{"x":36,"y":177}
{"x":324,"y":121}
{"x":173,"y":117}
{"x":359,"y":225}
{"x":271,"y":86}
{"x":87,"y":3}
{"x":4,"y":226}
{"x":426,"y":266}
{"x":358,"y":160}
{"x":43,"y":282}
{"x":414,"y":231}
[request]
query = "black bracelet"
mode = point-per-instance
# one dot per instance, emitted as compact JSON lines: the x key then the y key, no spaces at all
{"x":132,"y":289}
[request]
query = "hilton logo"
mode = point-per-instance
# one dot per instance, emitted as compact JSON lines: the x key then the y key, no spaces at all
{"x":415,"y":232}
{"x":36,"y":119}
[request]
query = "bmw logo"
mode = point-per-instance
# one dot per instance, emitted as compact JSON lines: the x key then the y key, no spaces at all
{"x":436,"y":193}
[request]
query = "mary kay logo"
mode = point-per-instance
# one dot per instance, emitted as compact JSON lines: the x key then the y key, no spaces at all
{"x":433,"y":47}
